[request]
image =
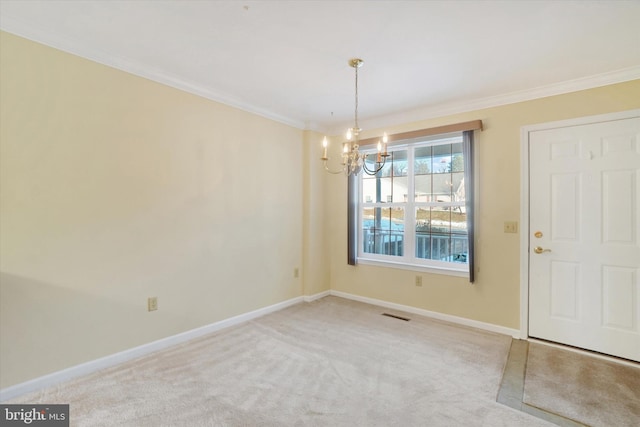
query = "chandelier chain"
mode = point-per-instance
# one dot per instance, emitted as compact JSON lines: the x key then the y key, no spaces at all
{"x":357,"y":127}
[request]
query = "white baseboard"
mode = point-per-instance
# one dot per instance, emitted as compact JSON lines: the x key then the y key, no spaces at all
{"x":124,"y":356}
{"x":311,"y":298}
{"x":515,"y":333}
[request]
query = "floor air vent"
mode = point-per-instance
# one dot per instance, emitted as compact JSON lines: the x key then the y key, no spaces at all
{"x":396,"y":317}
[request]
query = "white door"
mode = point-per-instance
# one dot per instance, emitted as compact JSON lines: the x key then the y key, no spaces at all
{"x":584,"y":219}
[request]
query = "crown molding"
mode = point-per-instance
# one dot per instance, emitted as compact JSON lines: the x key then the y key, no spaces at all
{"x":78,"y":48}
{"x":575,"y":85}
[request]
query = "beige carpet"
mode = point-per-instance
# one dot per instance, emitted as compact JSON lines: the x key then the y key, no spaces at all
{"x":591,"y":391}
{"x":333,"y":362}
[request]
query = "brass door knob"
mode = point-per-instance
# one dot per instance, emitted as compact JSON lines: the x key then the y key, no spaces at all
{"x":539,"y":250}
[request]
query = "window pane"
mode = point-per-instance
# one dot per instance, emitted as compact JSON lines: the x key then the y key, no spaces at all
{"x":393,"y":189}
{"x":422,"y":163}
{"x":395,"y":165}
{"x":386,"y":189}
{"x":387,"y":168}
{"x":383,"y":231}
{"x":458,"y":186}
{"x":423,"y":233}
{"x":423,"y":188}
{"x":441,"y":220}
{"x":423,"y":220}
{"x":399,"y":160}
{"x":442,"y":187}
{"x":458,"y":220}
{"x":368,"y":189}
{"x":441,"y":234}
{"x":442,"y":158}
{"x":457,"y":161}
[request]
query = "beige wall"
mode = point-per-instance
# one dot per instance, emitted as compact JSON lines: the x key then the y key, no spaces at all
{"x":115,"y":188}
{"x":494,"y":298}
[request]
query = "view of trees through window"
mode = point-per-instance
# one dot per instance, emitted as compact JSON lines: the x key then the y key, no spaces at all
{"x":414,"y":208}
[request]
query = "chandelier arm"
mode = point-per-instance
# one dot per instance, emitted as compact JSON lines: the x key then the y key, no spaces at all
{"x":377,"y":169}
{"x":330,"y":171}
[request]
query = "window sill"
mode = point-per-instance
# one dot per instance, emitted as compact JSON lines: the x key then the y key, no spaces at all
{"x":458,"y":272}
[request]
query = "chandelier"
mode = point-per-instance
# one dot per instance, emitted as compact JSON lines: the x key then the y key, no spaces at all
{"x":352,"y":160}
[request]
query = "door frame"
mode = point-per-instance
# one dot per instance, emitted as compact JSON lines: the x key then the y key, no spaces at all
{"x":525,"y":234}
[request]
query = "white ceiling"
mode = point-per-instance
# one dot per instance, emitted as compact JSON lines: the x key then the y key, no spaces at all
{"x":287,"y":60}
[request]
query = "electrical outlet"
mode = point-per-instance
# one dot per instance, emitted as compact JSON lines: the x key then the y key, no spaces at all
{"x":152,"y":303}
{"x":296,"y":272}
{"x":418,"y":280}
{"x":510,"y":226}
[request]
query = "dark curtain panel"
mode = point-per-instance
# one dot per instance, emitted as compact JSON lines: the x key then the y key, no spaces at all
{"x":352,"y":229}
{"x":467,"y":152}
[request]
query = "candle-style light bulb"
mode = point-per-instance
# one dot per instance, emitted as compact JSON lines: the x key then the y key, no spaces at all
{"x":345,"y":148}
{"x":325,"y":143}
{"x":385,"y":139}
{"x":349,"y":135}
{"x":379,"y":146}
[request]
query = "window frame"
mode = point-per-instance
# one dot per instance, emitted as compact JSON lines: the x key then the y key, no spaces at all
{"x":408,"y":260}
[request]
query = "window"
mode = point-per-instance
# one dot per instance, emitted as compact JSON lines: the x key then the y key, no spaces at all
{"x":414,"y":210}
